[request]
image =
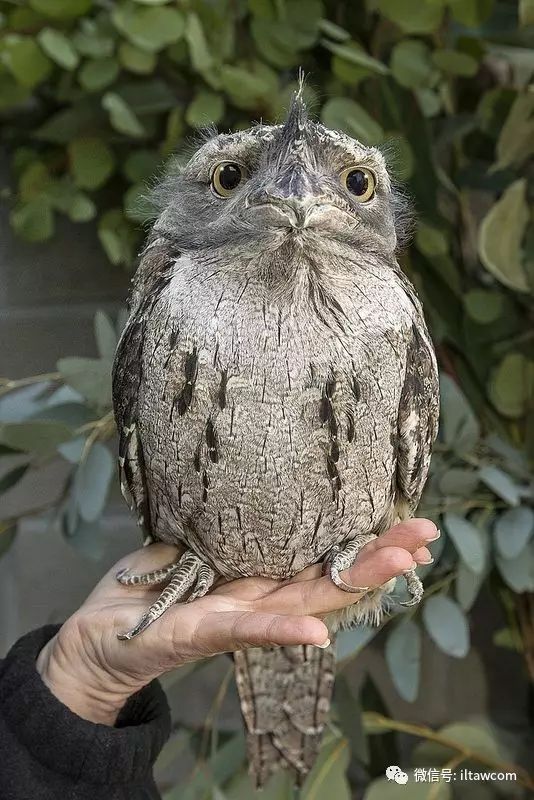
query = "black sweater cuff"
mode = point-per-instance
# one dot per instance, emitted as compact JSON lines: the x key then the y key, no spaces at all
{"x":67,"y":744}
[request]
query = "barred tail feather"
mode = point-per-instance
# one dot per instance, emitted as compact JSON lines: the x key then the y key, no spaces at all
{"x":285,"y":697}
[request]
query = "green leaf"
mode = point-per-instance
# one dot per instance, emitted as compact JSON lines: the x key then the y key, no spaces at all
{"x":518,"y":572}
{"x":459,"y":482}
{"x":121,"y":115}
{"x":151,"y":29}
{"x":61,"y":9}
{"x":467,"y":585}
{"x":117,"y":236}
{"x":526,"y":12}
{"x":91,"y":162}
{"x":516,"y":137}
{"x":511,"y":385}
{"x":141,"y":165}
{"x":483,"y":305}
{"x":137,"y":204}
{"x":512,"y":530}
{"x":467,"y":540}
{"x":40,"y":438}
{"x":501,"y":483}
{"x":206,"y":107}
{"x":479,"y":738}
{"x":341,"y":113}
{"x":61,"y":127}
{"x":431,"y":241}
{"x":59,"y":48}
{"x":412,"y":16}
{"x":328,"y":773}
{"x":249,"y":85}
{"x":411,"y":64}
{"x":98,"y":73}
{"x":25,"y":60}
{"x":72,"y":451}
{"x":11,"y":478}
{"x":81,"y":208}
{"x":383,"y":789}
{"x":355,"y":54}
{"x":136,"y":60}
{"x":403,"y":657}
{"x":89,"y":40}
{"x":91,"y":377}
{"x":201,"y":58}
{"x":500,"y":236}
{"x":459,"y":427}
{"x":8,"y":531}
{"x":446,"y":625}
{"x":471,"y":12}
{"x":93,"y":479}
{"x":105,"y":335}
{"x":34,"y":221}
{"x":454,"y":62}
{"x":350,"y":642}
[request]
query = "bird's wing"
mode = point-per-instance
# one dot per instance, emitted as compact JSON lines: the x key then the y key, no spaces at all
{"x":153,"y":275}
{"x":418,"y":419}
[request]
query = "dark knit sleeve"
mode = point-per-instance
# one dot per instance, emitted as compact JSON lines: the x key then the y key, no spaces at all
{"x":50,"y":752}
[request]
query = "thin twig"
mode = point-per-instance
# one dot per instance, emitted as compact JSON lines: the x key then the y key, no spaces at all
{"x":423,"y":732}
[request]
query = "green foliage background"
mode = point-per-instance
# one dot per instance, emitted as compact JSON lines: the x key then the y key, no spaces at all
{"x":96,"y":97}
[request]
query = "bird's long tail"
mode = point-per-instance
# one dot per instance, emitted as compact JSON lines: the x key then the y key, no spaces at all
{"x":285,"y":697}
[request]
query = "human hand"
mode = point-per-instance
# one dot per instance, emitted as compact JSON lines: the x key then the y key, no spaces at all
{"x":93,"y":673}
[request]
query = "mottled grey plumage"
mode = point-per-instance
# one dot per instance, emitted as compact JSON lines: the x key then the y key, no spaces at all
{"x":275,"y":392}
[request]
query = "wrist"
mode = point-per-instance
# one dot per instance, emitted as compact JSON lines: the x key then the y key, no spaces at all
{"x":84,"y":687}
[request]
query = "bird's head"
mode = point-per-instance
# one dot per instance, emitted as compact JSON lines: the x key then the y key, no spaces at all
{"x":297,"y":185}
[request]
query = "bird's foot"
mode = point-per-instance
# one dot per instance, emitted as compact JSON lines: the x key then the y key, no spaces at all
{"x":189,"y":573}
{"x":341,"y":559}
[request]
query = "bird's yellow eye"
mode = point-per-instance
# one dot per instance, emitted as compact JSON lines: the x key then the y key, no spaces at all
{"x":360,"y":182}
{"x":226,"y":177}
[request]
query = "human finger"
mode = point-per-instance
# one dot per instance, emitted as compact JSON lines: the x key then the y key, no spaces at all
{"x":321,"y":596}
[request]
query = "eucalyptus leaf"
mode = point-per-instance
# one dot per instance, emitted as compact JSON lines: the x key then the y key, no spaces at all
{"x":91,"y":377}
{"x":500,"y":237}
{"x":459,"y":426}
{"x":11,"y":478}
{"x":384,"y":789}
{"x":411,"y":64}
{"x":467,"y":540}
{"x":39,"y":437}
{"x":446,"y":625}
{"x":343,"y":114}
{"x":98,"y":73}
{"x":511,"y":385}
{"x":91,"y":162}
{"x":350,"y":642}
{"x":412,"y":16}
{"x":151,"y":28}
{"x":516,"y":137}
{"x":105,"y":335}
{"x":58,"y":47}
{"x":501,"y":483}
{"x":403,"y":657}
{"x":518,"y":572}
{"x":93,"y":479}
{"x":121,"y":116}
{"x":512,"y":530}
{"x":205,"y":108}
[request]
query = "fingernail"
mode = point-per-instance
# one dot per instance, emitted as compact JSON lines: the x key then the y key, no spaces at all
{"x":324,"y":645}
{"x":406,"y":571}
{"x":430,"y":561}
{"x":438,"y":534}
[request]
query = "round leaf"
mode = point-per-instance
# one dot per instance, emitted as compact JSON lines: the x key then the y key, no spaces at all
{"x":483,"y":306}
{"x":59,"y":48}
{"x":446,"y":625}
{"x":121,"y":115}
{"x":467,"y":540}
{"x":96,"y":74}
{"x":412,"y":16}
{"x":518,"y":572}
{"x":151,"y":28}
{"x":403,"y":657}
{"x":512,"y":530}
{"x":206,"y":107}
{"x":411,"y":64}
{"x":501,"y":234}
{"x":343,"y":114}
{"x":511,"y":385}
{"x":91,"y":162}
{"x":92,"y":482}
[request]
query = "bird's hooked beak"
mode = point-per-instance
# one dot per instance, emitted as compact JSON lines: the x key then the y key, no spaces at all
{"x":294,"y":192}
